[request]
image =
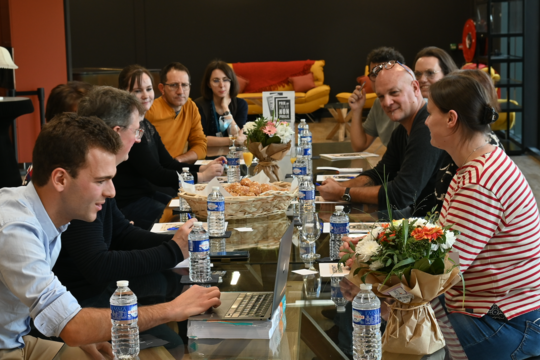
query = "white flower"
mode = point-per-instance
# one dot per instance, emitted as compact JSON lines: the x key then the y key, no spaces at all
{"x":248,"y":126}
{"x":374,"y":233}
{"x":284,"y":131}
{"x":418,"y":221}
{"x":365,"y":249}
{"x":376,"y":265}
{"x":450,"y":239}
{"x":434,"y":247}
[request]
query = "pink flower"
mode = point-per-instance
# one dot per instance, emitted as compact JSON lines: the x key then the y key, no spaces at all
{"x":270,"y":129}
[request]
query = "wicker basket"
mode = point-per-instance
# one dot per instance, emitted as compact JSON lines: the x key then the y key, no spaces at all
{"x":241,"y":207}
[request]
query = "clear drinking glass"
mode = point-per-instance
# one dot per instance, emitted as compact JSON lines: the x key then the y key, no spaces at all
{"x":311,"y":229}
{"x":233,"y":132}
{"x":248,"y":158}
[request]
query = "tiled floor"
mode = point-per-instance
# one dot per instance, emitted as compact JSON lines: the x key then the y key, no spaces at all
{"x":529,"y":165}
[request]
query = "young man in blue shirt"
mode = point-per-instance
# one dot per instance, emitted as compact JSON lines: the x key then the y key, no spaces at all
{"x":74,"y":163}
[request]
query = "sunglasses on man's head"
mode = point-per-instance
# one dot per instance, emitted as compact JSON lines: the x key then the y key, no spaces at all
{"x":387,"y":66}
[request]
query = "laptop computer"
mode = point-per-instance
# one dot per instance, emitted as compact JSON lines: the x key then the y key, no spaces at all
{"x":255,"y":305}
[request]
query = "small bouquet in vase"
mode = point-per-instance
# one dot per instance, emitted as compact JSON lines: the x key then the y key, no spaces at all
{"x":406,"y":261}
{"x":269,"y":141}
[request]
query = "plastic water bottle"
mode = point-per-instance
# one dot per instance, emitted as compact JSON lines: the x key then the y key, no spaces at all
{"x":300,"y":128}
{"x":306,"y":152}
{"x":306,"y":196}
{"x":299,"y":167}
{"x":188,"y":179}
{"x":216,"y":213}
{"x":233,"y":166}
{"x":199,"y":254}
{"x":339,"y":227}
{"x":124,"y":315}
{"x":337,"y":295}
{"x":366,"y":313}
{"x":306,"y":134}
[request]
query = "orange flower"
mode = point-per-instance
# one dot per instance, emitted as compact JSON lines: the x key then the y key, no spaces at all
{"x":384,"y":238}
{"x":426,"y":233}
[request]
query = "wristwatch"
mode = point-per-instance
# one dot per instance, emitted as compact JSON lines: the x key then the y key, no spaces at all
{"x":346,"y":196}
{"x":226,"y":113}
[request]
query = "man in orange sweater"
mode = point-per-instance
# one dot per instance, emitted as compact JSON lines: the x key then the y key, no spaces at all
{"x":176,"y":116}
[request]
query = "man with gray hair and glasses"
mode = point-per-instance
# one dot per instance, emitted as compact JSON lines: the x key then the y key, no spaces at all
{"x":377,"y":123}
{"x":410,"y":163}
{"x":109,"y":248}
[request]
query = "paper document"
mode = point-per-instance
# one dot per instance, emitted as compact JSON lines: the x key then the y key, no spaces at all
{"x":244,"y":229}
{"x":348,"y":156}
{"x":183,"y":264}
{"x":333,"y":270}
{"x":337,"y":177}
{"x":341,"y":170}
{"x":304,"y":272}
{"x":361,"y":228}
{"x":174,"y":203}
{"x":206,"y":162}
{"x":320,"y":200}
{"x":171,"y":227}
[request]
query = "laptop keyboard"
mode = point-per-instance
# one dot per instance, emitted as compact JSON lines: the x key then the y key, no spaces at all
{"x":250,"y":305}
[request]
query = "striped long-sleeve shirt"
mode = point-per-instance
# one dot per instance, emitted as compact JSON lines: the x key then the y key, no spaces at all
{"x":491,"y":204}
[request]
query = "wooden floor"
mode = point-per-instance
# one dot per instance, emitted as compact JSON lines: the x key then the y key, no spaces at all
{"x":529,"y":165}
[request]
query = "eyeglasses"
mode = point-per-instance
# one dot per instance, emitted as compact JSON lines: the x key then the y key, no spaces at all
{"x":176,"y":86}
{"x":217,"y":81}
{"x":430,"y":74}
{"x":138,"y":132}
{"x":387,"y":66}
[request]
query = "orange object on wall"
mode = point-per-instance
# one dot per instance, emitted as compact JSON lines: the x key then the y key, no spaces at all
{"x":39,"y":44}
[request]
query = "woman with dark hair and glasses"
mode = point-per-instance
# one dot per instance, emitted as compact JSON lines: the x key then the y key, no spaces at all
{"x":431,"y":64}
{"x":222,"y":113}
{"x":490,"y":202}
{"x":149,"y":164}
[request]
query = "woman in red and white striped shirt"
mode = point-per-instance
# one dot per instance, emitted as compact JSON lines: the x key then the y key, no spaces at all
{"x":491,"y":204}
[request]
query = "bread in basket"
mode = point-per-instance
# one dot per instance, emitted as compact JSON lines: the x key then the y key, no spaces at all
{"x":240,"y":207}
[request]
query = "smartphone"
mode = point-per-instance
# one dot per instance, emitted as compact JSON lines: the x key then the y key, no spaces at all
{"x":230,"y":256}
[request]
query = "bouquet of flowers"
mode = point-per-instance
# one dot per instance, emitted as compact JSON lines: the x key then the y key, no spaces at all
{"x":269,"y":141}
{"x":406,"y":261}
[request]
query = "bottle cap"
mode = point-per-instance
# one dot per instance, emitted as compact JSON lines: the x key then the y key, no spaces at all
{"x":365,"y":286}
{"x":185,"y":169}
{"x":215,"y":188}
{"x":339,"y":208}
{"x":122,"y":283}
{"x":199,"y":223}
{"x":340,"y":309}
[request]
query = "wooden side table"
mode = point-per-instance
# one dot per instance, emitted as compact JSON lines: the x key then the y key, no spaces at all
{"x":340,"y":112}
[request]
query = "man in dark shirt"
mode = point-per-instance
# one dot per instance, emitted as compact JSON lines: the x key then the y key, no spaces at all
{"x":110,"y":248}
{"x":410,"y":162}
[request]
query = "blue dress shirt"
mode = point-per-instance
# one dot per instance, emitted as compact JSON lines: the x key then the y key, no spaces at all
{"x":29,"y":247}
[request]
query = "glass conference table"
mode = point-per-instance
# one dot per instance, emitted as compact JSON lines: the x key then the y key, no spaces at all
{"x":310,"y":329}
